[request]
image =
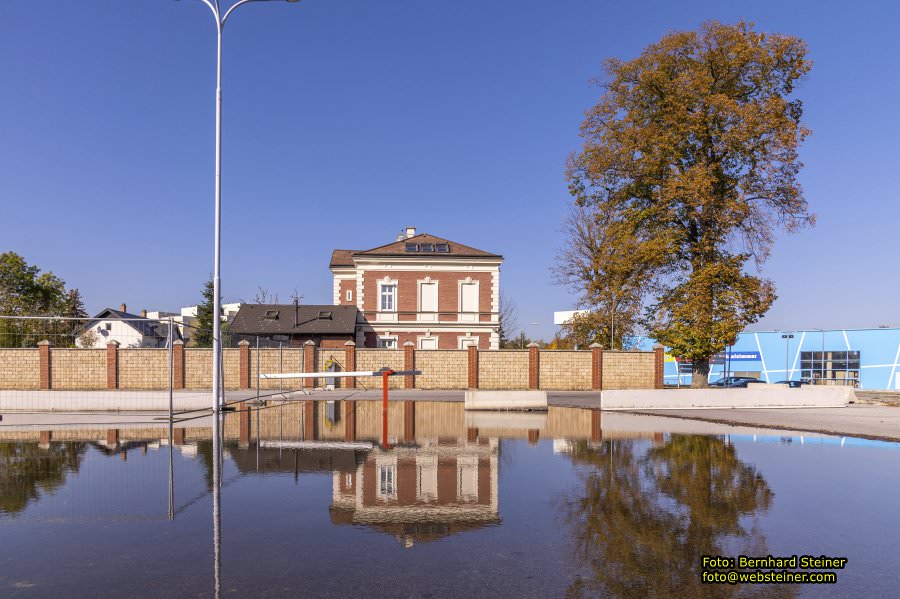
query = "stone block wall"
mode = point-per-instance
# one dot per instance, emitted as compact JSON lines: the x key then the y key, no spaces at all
{"x":19,"y":369}
{"x":503,"y":369}
{"x":628,"y":370}
{"x":142,"y":368}
{"x":78,"y":369}
{"x":565,"y":370}
{"x":375,"y":359}
{"x":442,"y":369}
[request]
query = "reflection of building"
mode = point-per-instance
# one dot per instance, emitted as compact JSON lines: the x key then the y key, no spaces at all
{"x":422,"y":493}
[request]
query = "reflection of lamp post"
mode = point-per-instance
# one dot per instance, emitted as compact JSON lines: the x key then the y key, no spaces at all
{"x":787,"y":344}
{"x":220,"y":20}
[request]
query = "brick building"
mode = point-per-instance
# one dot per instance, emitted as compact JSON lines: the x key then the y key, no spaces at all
{"x":431,"y":291}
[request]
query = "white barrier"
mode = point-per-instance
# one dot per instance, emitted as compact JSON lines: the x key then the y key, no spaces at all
{"x":753,"y":396}
{"x":479,"y":399}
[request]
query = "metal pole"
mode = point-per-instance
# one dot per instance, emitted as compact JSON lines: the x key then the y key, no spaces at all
{"x":217,"y":243}
{"x":787,"y":346}
{"x":822,"y":361}
{"x":171,"y":341}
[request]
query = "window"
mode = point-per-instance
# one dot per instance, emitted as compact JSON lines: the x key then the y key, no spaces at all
{"x":838,"y":367}
{"x":387,"y":342}
{"x":467,"y":478}
{"x":108,"y":326}
{"x":349,"y":295}
{"x":388,"y":298}
{"x":468,"y":302}
{"x":387,"y":477}
{"x":426,"y":247}
{"x":428,"y":301}
{"x":442,"y":248}
{"x":428,"y":342}
{"x":412,"y":247}
{"x":271,"y":315}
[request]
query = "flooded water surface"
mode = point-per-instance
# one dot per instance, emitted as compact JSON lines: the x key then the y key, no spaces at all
{"x":341,"y":499}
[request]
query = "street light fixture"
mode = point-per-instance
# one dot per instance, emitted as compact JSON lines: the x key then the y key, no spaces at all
{"x":220,"y":20}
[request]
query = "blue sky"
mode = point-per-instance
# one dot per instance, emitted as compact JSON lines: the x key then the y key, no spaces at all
{"x":347,"y":120}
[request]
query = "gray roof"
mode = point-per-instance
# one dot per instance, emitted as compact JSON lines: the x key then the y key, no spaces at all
{"x":143,"y":325}
{"x":289,"y":319}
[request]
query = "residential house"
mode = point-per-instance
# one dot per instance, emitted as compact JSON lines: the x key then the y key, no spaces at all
{"x":436,"y":293}
{"x":128,"y":330}
{"x":294,"y":324}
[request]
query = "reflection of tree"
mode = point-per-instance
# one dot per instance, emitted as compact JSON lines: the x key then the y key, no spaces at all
{"x":644,"y":521}
{"x":27,"y":471}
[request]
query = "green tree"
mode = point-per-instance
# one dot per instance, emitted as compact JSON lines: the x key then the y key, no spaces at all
{"x":690,"y":163}
{"x":26,"y":291}
{"x":203,"y":334}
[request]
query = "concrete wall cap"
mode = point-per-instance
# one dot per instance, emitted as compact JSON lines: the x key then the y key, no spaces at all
{"x":350,"y":343}
{"x":243,"y":342}
{"x":657,"y":346}
{"x":178,"y":342}
{"x":409,"y":344}
{"x":44,"y":342}
{"x":112,"y":343}
{"x":595,"y":346}
{"x":309,"y":342}
{"x":532,"y":344}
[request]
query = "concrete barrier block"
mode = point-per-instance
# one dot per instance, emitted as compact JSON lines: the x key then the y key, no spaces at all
{"x":481,"y":399}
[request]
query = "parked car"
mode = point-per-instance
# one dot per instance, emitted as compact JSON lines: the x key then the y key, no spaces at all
{"x":791,"y":384}
{"x":735,"y":381}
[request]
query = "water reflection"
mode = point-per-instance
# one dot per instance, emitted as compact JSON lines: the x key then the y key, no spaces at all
{"x":647,"y":514}
{"x":31,"y":470}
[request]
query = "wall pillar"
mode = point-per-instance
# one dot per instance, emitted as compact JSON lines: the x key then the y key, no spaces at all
{"x":310,"y":425}
{"x":659,"y":366}
{"x":596,"y":430}
{"x":44,"y":356}
{"x":596,"y":366}
{"x":244,"y":363}
{"x":349,"y":364}
{"x":533,"y":435}
{"x":473,"y":367}
{"x":409,"y":421}
{"x":112,"y":365}
{"x":309,"y":362}
{"x":46,"y":437}
{"x":179,"y":436}
{"x":409,"y":363}
{"x":178,"y":365}
{"x":350,"y":419}
{"x":112,"y":437}
{"x":534,"y":366}
{"x":244,"y":425}
{"x":472,"y":434}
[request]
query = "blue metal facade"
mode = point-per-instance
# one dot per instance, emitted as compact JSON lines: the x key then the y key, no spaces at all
{"x":773,"y":357}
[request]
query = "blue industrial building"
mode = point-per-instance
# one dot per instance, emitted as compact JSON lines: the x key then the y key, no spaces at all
{"x":864,"y":358}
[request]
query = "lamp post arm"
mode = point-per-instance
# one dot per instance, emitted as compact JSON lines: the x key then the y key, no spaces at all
{"x":213,"y":7}
{"x":235,"y":5}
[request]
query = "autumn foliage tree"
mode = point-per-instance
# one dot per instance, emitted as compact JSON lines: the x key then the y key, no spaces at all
{"x":689,"y":164}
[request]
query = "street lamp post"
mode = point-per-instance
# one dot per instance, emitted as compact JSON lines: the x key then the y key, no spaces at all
{"x":220,"y":20}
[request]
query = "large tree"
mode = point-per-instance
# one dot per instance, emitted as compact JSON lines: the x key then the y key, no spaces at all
{"x":690,"y":163}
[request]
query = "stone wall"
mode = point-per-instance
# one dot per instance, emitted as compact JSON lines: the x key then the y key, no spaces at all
{"x":565,"y":370}
{"x":75,"y":369}
{"x":628,"y":370}
{"x":503,"y":369}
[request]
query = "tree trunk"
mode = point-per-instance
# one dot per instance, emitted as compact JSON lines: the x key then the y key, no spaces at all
{"x":700,"y":374}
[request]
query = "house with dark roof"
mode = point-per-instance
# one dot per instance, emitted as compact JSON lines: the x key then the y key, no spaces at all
{"x":294,"y":324}
{"x":420,"y":288}
{"x":126,"y":329}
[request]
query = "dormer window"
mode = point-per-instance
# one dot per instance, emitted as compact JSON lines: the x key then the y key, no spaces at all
{"x":442,"y":248}
{"x":324,"y":315}
{"x":412,"y":247}
{"x":271,"y":315}
{"x":426,"y":247}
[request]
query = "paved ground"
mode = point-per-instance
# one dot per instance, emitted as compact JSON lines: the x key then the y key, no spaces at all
{"x":870,"y":422}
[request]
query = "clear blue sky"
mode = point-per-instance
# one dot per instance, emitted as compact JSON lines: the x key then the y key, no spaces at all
{"x":346,"y":120}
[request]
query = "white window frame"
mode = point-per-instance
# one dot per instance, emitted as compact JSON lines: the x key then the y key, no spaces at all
{"x":468,"y":317}
{"x":428,"y":316}
{"x":467,"y":464}
{"x":390,"y":338}
{"x":349,"y":295}
{"x":386,"y":467}
{"x":464,"y":341}
{"x":387,"y":315}
{"x":422,"y":338}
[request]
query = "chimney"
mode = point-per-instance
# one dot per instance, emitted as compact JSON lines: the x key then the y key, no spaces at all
{"x":123,"y":308}
{"x":400,"y":237}
{"x":144,"y":313}
{"x":410,"y":232}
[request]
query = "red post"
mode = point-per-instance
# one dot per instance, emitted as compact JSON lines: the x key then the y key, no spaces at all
{"x":244,"y":424}
{"x":309,"y":362}
{"x":244,"y":366}
{"x":350,"y":363}
{"x":596,"y":429}
{"x":350,"y":420}
{"x":473,"y":367}
{"x":596,"y":366}
{"x":658,"y":366}
{"x":534,"y":366}
{"x":112,"y":365}
{"x":178,"y":357}
{"x":44,"y":356}
{"x":409,"y":363}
